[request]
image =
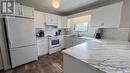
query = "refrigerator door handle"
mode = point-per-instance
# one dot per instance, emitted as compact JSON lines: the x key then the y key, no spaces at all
{"x":10,"y":43}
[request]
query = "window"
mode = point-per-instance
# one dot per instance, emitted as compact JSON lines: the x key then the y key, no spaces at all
{"x":82,"y":27}
{"x":80,"y":24}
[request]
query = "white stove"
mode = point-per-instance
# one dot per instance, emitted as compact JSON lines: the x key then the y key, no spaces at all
{"x":54,"y":44}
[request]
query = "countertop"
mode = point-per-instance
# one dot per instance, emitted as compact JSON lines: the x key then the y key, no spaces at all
{"x":109,"y":56}
{"x":39,"y":38}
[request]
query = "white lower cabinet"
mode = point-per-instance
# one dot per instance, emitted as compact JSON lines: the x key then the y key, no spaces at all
{"x":77,"y":41}
{"x":68,"y":42}
{"x":71,"y":41}
{"x":62,"y":42}
{"x":42,"y":45}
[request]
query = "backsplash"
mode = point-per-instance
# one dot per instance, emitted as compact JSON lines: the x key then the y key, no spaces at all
{"x":50,"y":30}
{"x":38,"y":29}
{"x":116,"y":33}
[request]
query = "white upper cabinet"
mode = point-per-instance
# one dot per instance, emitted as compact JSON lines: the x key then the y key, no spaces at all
{"x":24,"y":11}
{"x":97,"y":17}
{"x":107,"y":16}
{"x":51,"y":19}
{"x":18,"y":9}
{"x":64,"y":22}
{"x":112,"y":15}
{"x":39,"y":19}
{"x":59,"y":22}
{"x":27,"y":11}
{"x":43,"y":19}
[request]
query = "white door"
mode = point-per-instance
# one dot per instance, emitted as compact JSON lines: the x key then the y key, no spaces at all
{"x":20,"y":32}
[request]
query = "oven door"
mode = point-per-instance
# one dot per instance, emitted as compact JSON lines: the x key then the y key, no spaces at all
{"x":54,"y":42}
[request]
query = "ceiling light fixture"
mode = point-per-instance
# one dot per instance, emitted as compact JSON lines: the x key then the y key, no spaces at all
{"x":56,"y":3}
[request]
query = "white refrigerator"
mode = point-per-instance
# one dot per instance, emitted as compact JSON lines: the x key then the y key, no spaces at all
{"x":21,"y":40}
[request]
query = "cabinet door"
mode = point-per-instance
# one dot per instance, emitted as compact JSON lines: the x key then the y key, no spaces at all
{"x":59,"y":22}
{"x":54,"y":19}
{"x":27,"y":11}
{"x":39,"y":19}
{"x":48,"y":18}
{"x":68,"y":42}
{"x":112,"y":15}
{"x":64,"y":22}
{"x":42,"y":45}
{"x":62,"y":42}
{"x":18,"y":10}
{"x":51,"y":19}
{"x":77,"y":41}
{"x":97,"y":17}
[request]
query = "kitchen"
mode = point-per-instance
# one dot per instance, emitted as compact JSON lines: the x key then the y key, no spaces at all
{"x":60,"y":36}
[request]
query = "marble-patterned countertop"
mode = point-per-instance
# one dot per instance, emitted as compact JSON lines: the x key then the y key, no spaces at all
{"x":109,"y":56}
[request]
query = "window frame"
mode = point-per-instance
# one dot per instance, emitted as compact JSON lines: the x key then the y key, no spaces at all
{"x":74,"y":27}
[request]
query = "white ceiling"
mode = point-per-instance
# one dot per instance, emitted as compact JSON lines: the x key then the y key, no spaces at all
{"x":66,"y":5}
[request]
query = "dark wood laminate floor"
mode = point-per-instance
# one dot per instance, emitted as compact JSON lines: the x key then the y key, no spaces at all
{"x":46,"y":64}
